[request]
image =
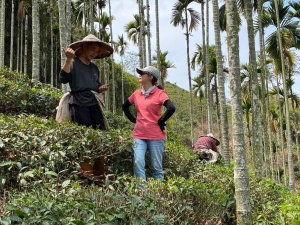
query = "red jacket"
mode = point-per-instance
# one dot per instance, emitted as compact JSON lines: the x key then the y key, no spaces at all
{"x":205,"y":142}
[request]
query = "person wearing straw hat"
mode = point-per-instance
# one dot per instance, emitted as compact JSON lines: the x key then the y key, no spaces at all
{"x":206,"y":147}
{"x":149,"y":130}
{"x":83,"y":77}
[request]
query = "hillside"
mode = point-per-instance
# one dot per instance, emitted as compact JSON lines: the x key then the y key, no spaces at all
{"x":42,"y":181}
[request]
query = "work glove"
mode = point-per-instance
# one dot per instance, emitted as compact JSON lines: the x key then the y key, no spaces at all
{"x":161,"y":124}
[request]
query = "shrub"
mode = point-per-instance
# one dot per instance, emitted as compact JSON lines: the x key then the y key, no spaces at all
{"x":19,"y":95}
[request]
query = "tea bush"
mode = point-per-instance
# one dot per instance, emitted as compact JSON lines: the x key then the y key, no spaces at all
{"x":174,"y":201}
{"x":36,"y":149}
{"x":19,"y":95}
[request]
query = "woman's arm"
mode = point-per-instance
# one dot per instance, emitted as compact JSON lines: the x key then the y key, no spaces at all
{"x":127,"y":112}
{"x":168,"y":113}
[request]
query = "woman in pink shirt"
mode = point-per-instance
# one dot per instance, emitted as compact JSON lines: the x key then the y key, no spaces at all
{"x":149,"y":130}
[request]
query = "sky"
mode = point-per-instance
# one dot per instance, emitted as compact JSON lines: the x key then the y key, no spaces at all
{"x":173,"y":40}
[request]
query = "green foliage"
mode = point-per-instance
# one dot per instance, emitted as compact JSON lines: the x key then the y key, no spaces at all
{"x":174,"y":201}
{"x":41,"y":149}
{"x":40,"y":181}
{"x":273,"y":204}
{"x":19,"y":95}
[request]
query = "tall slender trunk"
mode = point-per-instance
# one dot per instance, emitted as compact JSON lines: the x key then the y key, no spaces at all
{"x":99,"y":23}
{"x":26,"y":45}
{"x":221,"y":88}
{"x":21,"y":47}
{"x":45,"y":58}
{"x":56,"y":66}
{"x":148,"y":32}
{"x":217,"y":103}
{"x":287,"y":113}
{"x":189,"y":76}
{"x":11,"y":35}
{"x":18,"y":47}
{"x":265,"y":94}
{"x":112,"y":59}
{"x":141,"y":38}
{"x":107,"y":102}
{"x":277,"y":159}
{"x":2,"y":33}
{"x":92,"y":17}
{"x":209,"y":100}
{"x":256,"y":123}
{"x":64,"y":31}
{"x":52,"y":45}
{"x":157,"y":38}
{"x":123,"y":97}
{"x":281,"y":133}
{"x":68,"y":21}
{"x":241,"y":177}
{"x":204,"y":61}
{"x":35,"y":42}
{"x":84,"y":17}
{"x":295,"y":120}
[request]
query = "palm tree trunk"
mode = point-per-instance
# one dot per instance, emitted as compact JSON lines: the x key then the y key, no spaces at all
{"x":217,"y":103}
{"x":26,"y":45}
{"x":278,"y":140}
{"x":265,"y":98}
{"x":287,"y":113}
{"x":204,"y":61}
{"x":21,"y":47}
{"x":68,"y":21}
{"x":241,"y":177}
{"x":56,"y":57}
{"x":11,"y":35}
{"x":256,"y":123}
{"x":112,"y":59}
{"x":108,"y":91}
{"x":141,"y":38}
{"x":221,"y":88}
{"x":84,"y":17}
{"x":2,"y":33}
{"x":35,"y":42}
{"x":265,"y":91}
{"x":295,"y":120}
{"x":190,"y":78}
{"x":281,"y":133}
{"x":52,"y":45}
{"x":92,"y":17}
{"x":157,"y":37}
{"x":64,"y":31}
{"x":123,"y":97}
{"x":266,"y":114}
{"x":45,"y":58}
{"x":209,"y":100}
{"x":18,"y":47}
{"x":148,"y":33}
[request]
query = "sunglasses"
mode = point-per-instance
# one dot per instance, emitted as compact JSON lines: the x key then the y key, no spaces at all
{"x":146,"y":73}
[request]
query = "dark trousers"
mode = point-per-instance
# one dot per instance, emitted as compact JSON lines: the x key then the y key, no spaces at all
{"x":87,"y":116}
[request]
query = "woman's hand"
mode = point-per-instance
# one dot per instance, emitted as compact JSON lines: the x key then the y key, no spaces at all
{"x":103,"y":88}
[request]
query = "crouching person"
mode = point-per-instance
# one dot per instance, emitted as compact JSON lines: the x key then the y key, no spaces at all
{"x":206,"y":147}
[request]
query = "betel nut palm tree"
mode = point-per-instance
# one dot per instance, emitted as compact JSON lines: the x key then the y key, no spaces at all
{"x":189,"y":19}
{"x":120,"y":47}
{"x":164,"y":65}
{"x":224,"y":137}
{"x":133,"y":30}
{"x":241,"y":176}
